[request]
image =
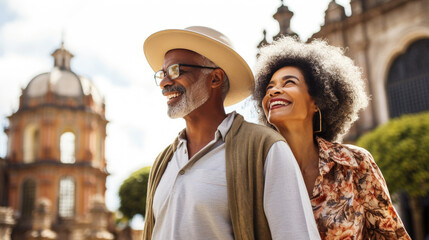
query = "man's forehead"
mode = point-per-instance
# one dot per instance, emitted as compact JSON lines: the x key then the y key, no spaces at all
{"x":180,"y":55}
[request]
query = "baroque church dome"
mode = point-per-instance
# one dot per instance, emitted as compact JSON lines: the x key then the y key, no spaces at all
{"x":62,"y":87}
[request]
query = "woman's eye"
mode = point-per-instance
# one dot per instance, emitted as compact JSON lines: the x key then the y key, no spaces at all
{"x":288,"y":82}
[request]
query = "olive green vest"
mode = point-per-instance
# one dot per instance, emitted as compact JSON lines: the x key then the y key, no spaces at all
{"x":246,"y":148}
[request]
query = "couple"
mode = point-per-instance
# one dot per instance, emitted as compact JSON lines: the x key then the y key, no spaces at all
{"x":225,"y":178}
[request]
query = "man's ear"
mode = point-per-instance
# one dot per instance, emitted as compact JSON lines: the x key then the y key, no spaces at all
{"x":218,"y":75}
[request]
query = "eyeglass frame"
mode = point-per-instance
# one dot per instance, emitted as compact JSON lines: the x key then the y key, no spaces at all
{"x":165,"y":73}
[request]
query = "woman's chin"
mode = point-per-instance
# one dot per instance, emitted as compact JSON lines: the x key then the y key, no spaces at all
{"x":276,"y":117}
{"x":274,"y":121}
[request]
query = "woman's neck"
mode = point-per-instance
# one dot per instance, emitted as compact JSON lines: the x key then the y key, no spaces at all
{"x":301,"y":141}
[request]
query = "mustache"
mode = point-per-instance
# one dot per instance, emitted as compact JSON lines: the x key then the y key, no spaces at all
{"x":176,"y":88}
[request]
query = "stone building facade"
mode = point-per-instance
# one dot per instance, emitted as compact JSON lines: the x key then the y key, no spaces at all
{"x":389,"y":40}
{"x":55,"y":164}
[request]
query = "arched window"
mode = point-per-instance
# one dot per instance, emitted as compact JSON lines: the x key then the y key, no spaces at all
{"x":408,"y":80}
{"x":67,"y":147}
{"x":28,"y":198}
{"x":31,"y":143}
{"x":66,"y":203}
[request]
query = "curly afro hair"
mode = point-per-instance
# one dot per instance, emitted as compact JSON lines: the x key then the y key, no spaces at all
{"x":333,"y":80}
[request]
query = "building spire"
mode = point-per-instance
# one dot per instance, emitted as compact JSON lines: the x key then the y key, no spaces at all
{"x":283,"y":16}
{"x":62,"y":56}
{"x":62,"y":39}
{"x":263,"y":42}
{"x":334,"y":13}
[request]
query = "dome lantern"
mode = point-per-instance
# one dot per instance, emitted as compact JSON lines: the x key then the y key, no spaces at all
{"x":62,"y":58}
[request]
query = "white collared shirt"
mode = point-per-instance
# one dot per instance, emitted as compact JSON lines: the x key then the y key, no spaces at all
{"x":191,"y":199}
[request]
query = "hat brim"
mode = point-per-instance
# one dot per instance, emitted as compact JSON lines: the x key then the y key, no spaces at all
{"x":241,"y":81}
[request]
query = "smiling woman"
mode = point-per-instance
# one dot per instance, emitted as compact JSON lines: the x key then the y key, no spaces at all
{"x":296,"y":105}
{"x":333,"y":81}
{"x":311,"y":94}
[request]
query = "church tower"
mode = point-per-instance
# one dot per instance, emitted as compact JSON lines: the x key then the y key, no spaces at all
{"x":55,"y":150}
{"x":283,"y":17}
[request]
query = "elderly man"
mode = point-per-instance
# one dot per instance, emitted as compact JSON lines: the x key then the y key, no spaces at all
{"x":222,"y":177}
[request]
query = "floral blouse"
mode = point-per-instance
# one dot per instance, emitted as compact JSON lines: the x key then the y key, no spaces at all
{"x":350,"y":196}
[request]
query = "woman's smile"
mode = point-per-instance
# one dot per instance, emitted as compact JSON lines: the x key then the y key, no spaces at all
{"x":278,"y":103}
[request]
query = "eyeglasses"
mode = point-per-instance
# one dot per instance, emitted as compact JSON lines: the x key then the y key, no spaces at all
{"x":173,"y":72}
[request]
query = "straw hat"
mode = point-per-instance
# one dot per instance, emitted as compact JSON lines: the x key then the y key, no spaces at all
{"x":209,"y":43}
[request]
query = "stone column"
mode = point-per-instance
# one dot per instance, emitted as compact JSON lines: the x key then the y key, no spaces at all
{"x":99,"y":221}
{"x":42,"y":222}
{"x":6,"y":222}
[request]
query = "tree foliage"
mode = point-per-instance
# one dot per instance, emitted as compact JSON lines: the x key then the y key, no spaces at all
{"x":401,"y":150}
{"x":132,"y":193}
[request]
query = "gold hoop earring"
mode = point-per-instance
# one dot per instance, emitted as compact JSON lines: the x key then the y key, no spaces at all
{"x":320,"y":122}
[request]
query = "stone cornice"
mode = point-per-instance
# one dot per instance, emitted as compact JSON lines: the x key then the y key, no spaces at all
{"x":56,"y":164}
{"x":360,"y":18}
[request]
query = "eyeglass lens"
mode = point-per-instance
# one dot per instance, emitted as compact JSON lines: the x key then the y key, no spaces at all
{"x":172,"y":73}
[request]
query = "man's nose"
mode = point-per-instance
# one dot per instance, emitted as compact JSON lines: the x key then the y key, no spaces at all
{"x":165,"y":82}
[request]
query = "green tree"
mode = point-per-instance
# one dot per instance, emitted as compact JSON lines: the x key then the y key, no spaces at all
{"x":401,"y":149}
{"x":132,"y":193}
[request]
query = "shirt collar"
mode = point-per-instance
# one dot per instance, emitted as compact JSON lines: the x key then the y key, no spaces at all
{"x":222,"y":129}
{"x":331,"y":153}
{"x":226,"y":124}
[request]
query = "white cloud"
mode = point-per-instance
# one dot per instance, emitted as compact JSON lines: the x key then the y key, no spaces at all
{"x":17,"y":71}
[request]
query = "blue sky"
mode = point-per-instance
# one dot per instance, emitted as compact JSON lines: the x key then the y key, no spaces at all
{"x":106,"y":38}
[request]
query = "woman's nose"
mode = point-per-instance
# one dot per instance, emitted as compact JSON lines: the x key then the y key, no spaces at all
{"x":274,"y":91}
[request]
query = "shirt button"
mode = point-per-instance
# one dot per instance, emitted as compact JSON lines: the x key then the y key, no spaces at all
{"x":186,"y":151}
{"x":181,"y":172}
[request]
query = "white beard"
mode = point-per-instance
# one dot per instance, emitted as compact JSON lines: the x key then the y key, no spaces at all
{"x":191,"y":99}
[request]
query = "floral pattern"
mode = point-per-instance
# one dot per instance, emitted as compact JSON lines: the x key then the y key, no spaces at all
{"x":350,"y":196}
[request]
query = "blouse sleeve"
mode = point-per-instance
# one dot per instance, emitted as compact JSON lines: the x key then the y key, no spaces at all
{"x":286,"y":202}
{"x":381,"y":218}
